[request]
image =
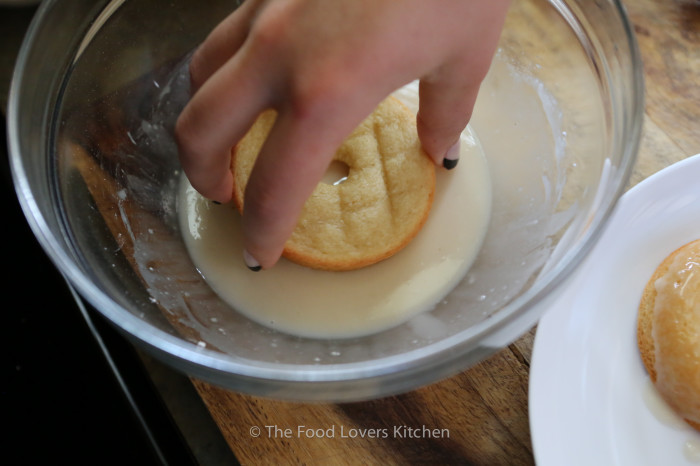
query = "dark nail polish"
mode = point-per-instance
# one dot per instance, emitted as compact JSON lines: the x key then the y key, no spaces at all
{"x":449,"y":163}
{"x":250,"y":262}
{"x":452,"y":156}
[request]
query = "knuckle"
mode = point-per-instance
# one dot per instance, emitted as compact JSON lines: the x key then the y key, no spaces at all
{"x":198,"y":68}
{"x":481,"y":69}
{"x":438,"y":132}
{"x":260,"y":195}
{"x":261,"y":201}
{"x":184,"y":133}
{"x":265,"y":39}
{"x":191,"y":144}
{"x":316,"y":90}
{"x":473,"y":68}
{"x":271,"y":202}
{"x":270,"y":29}
{"x":259,"y":205}
{"x":436,"y":123}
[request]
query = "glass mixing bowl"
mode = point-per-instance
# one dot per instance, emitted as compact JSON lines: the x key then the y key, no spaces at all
{"x":96,"y":90}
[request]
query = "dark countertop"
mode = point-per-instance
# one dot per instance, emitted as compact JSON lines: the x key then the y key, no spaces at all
{"x":74,"y":389}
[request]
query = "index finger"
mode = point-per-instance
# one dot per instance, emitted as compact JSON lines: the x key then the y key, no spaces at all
{"x":216,"y":117}
{"x":291,"y":163}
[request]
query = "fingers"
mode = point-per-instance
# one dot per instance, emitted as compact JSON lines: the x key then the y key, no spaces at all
{"x":216,"y":117}
{"x":247,"y":65}
{"x":292,"y":161}
{"x":221,"y":44}
{"x":446,"y":102}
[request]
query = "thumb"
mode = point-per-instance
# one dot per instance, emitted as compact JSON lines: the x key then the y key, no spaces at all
{"x":447,"y":94}
{"x":446,"y":105}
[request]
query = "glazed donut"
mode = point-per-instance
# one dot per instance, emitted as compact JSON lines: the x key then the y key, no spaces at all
{"x":668,"y":331}
{"x":374,"y":212}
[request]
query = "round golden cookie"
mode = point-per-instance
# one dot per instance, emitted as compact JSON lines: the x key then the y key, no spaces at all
{"x":668,"y":331}
{"x":375,"y":211}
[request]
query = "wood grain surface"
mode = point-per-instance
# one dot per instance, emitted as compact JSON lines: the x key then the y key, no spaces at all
{"x":479,"y":416}
{"x":484,"y":410}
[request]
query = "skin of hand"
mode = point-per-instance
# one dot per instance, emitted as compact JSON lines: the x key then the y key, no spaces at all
{"x":324,"y":66}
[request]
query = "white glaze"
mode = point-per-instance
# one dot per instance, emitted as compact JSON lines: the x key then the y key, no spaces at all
{"x":321,"y":304}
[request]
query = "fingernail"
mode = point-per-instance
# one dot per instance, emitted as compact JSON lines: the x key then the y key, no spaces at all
{"x":216,"y":202}
{"x":250,"y":262}
{"x":452,"y":156}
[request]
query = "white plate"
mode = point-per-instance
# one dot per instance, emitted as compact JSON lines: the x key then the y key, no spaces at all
{"x":589,"y":392}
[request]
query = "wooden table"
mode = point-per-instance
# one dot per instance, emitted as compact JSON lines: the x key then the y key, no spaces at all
{"x":484,"y":409}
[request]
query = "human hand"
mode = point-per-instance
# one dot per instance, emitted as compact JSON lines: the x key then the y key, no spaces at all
{"x":324,"y":66}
